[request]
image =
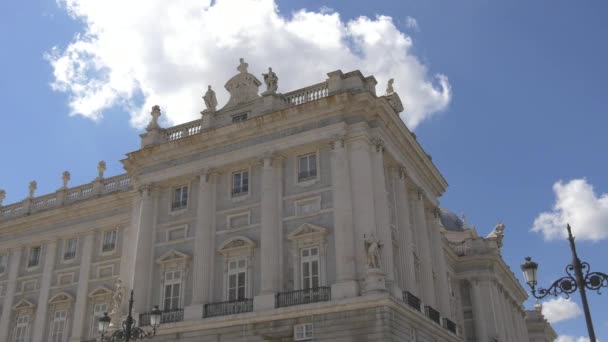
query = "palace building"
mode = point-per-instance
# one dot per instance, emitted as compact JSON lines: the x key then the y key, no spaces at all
{"x":311,"y":215}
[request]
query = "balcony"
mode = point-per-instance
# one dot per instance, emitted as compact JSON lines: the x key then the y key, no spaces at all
{"x":411,"y":300}
{"x":227,"y":308}
{"x":432,"y":314}
{"x":306,"y":296}
{"x":167,"y":316}
{"x":448,"y":324}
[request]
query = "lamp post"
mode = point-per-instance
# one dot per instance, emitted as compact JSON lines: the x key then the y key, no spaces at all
{"x":579,"y":277}
{"x":130,"y":331}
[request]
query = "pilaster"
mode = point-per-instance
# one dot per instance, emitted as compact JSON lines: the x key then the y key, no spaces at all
{"x":440,"y":263}
{"x":43,"y":297}
{"x":83,"y":289}
{"x":404,"y":229}
{"x":424,"y":249}
{"x":346,"y":284}
{"x":13,"y":270}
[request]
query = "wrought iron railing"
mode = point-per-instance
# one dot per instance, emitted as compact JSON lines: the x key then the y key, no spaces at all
{"x":448,"y":324}
{"x":411,"y":300}
{"x":304,"y":175}
{"x":306,"y":296}
{"x":227,"y":308}
{"x":167,"y":316}
{"x":432,"y":314}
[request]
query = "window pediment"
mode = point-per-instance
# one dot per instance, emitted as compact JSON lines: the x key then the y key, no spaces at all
{"x":173,"y":259}
{"x":61,"y":298}
{"x":100,"y":291}
{"x":23,"y":305}
{"x":237,"y":244}
{"x":308,"y":231}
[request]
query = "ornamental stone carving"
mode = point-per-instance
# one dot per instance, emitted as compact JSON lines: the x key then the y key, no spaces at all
{"x":210,"y":100}
{"x":2,"y":196}
{"x":373,"y":247}
{"x":272,"y":82}
{"x":101,"y":168}
{"x":65,"y":178}
{"x":498,"y":234}
{"x":153,"y":125}
{"x":32,"y":188}
{"x":243,"y":87}
{"x":117,"y":300}
{"x":389,"y":87}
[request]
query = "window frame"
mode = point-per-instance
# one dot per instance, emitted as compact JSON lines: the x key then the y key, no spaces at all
{"x":183,"y":203}
{"x":103,"y":240}
{"x":309,"y":259}
{"x":29,"y":257}
{"x":234,"y":249}
{"x":236,"y":118}
{"x":241,"y":193}
{"x":20,"y":324}
{"x":235,"y":272}
{"x":172,"y":283}
{"x":63,"y":321}
{"x":66,"y":244}
{"x":306,"y":330}
{"x":94,"y":327}
{"x":310,"y":178}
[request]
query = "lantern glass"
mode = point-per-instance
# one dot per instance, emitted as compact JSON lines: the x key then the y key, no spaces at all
{"x":104,"y":323}
{"x":530,"y":269}
{"x":155,"y":316}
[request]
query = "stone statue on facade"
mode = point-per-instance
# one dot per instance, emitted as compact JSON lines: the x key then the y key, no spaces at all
{"x":242,"y":68}
{"x":101,"y":168}
{"x":498,"y":233}
{"x":32,"y":188}
{"x":389,"y":87}
{"x":154,"y":122}
{"x":2,"y":196}
{"x":373,"y":246}
{"x":65,"y":178}
{"x":117,"y":299}
{"x":210,"y":100}
{"x":272,"y":82}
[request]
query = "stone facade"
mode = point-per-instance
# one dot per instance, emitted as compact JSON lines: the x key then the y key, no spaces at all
{"x":309,"y":215}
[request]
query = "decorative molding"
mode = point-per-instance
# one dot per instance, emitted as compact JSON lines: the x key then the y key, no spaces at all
{"x":236,"y":244}
{"x":61,"y":298}
{"x":308,"y":231}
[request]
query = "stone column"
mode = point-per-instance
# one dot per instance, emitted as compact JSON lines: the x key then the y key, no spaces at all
{"x":7,"y":306}
{"x":424,"y":250}
{"x":497,"y":308}
{"x":346,"y":284}
{"x":43,"y":296}
{"x":383,"y":221}
{"x":140,"y":248}
{"x":406,"y":236}
{"x":83,"y":288}
{"x":479,"y":314}
{"x":440,"y":265}
{"x":204,"y":244}
{"x":270,"y":232}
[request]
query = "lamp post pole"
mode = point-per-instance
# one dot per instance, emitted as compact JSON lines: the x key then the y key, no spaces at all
{"x":579,"y":277}
{"x":580,"y":282}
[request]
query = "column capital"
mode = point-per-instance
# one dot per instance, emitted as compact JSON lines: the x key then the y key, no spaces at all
{"x":145,"y":189}
{"x":337,"y":141}
{"x":209,"y":175}
{"x":271,"y":159}
{"x":378,"y":143}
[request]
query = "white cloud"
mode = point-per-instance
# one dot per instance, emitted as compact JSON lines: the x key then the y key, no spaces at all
{"x":138,"y":53}
{"x":412,"y":23}
{"x":560,"y":309}
{"x":566,"y":338}
{"x":575,"y":203}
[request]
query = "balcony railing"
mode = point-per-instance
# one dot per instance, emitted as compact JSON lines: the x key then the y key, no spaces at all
{"x":448,"y":324}
{"x":411,"y":300}
{"x":167,"y":316}
{"x":227,"y":308}
{"x":432,"y":314}
{"x":305,"y":175}
{"x":314,"y":295}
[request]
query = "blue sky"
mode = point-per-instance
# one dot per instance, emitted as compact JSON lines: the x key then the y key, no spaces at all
{"x":524,"y":106}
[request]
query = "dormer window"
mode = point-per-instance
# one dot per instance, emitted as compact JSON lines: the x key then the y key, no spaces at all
{"x":239,"y":118}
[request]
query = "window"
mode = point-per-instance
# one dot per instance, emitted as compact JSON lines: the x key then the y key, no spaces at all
{"x":58,"y":329}
{"x":69,"y":251}
{"x":22,"y":329}
{"x":3,"y":259}
{"x":307,"y":167}
{"x":309,"y":257}
{"x":109,"y":240}
{"x":98,"y":311}
{"x":237,"y":279}
{"x":34,"y":259}
{"x":180,"y":198}
{"x":172,"y":294}
{"x":239,"y":118}
{"x":303,"y":332}
{"x":240,"y":183}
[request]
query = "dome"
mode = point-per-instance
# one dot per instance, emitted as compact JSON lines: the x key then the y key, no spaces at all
{"x":451,"y":221}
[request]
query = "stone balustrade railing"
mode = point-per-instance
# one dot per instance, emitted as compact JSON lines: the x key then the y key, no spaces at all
{"x":66,"y":196}
{"x":310,"y":93}
{"x":184,"y":130}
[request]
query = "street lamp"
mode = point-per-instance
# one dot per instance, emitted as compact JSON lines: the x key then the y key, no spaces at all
{"x":579,"y":278}
{"x":130,"y":331}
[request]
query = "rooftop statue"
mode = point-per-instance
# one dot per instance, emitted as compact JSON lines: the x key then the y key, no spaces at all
{"x":243,"y":87}
{"x":242,"y":68}
{"x":154,"y":122}
{"x":2,"y":196}
{"x":272,"y":82}
{"x":101,"y":168}
{"x":32,"y":188}
{"x":389,"y":87}
{"x":65,"y":179}
{"x":210,"y":99}
{"x":498,"y":233}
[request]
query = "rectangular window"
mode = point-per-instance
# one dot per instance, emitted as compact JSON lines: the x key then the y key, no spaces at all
{"x":34,"y":259}
{"x":237,"y":279}
{"x":307,"y":167}
{"x":3,"y":262}
{"x":239,"y":117}
{"x":69,"y":251}
{"x":22,"y":329}
{"x":109,"y":240}
{"x":180,"y":198}
{"x":309,"y":257}
{"x":240,"y":183}
{"x":98,"y":311}
{"x":172,"y":293}
{"x":58,"y":328}
{"x":303,"y":332}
